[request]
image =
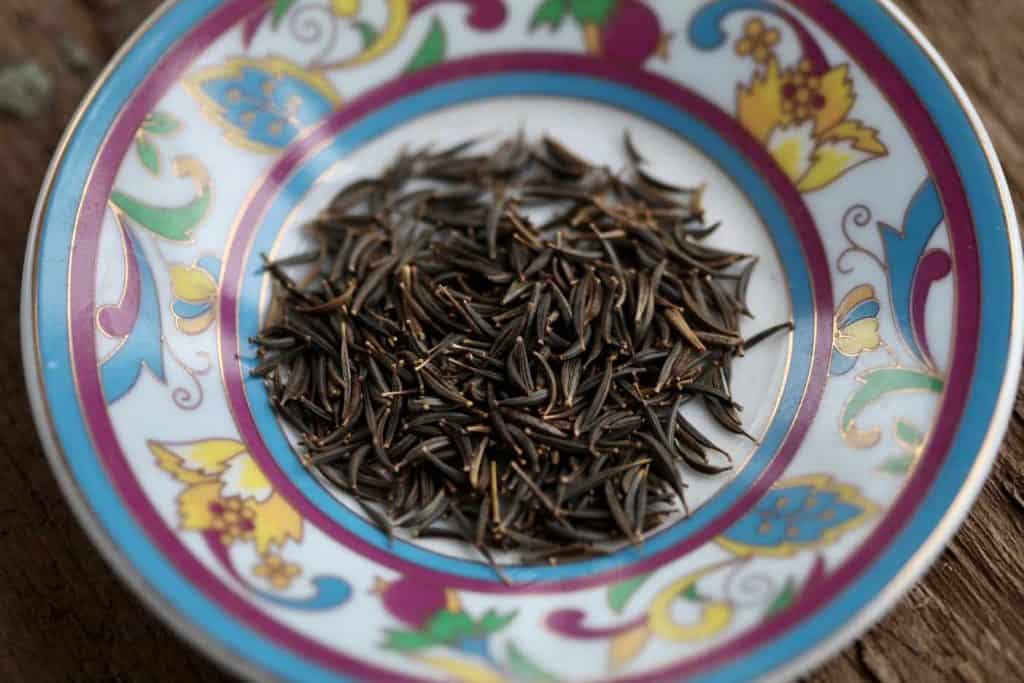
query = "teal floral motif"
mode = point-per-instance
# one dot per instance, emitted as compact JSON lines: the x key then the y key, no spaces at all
{"x":914,"y":267}
{"x":262,"y":104}
{"x":134,"y":322}
{"x":911,"y":265}
{"x":898,"y":465}
{"x":798,"y":514}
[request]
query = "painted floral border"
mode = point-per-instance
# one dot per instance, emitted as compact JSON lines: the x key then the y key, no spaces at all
{"x":801,"y":110}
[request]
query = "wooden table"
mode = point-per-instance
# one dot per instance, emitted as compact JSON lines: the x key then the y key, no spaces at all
{"x":65,"y":617}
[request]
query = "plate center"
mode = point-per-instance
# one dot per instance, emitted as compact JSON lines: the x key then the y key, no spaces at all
{"x":595,"y":131}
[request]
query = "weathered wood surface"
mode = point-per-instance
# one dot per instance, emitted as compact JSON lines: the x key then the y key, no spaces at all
{"x":64,"y":616}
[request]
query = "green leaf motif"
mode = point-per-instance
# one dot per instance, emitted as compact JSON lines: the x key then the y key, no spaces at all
{"x":550,"y":13}
{"x":592,"y":11}
{"x":898,"y":464}
{"x":692,"y":594}
{"x":431,"y":51}
{"x":407,"y":641}
{"x":620,"y":593}
{"x":160,"y":123}
{"x":175,"y":224}
{"x":281,"y":8}
{"x":492,"y":622}
{"x":171,"y":223}
{"x":908,"y":434}
{"x":784,"y":599}
{"x":877,"y":384}
{"x":447,"y":626}
{"x":367,"y":33}
{"x":148,"y":153}
{"x":524,"y":669}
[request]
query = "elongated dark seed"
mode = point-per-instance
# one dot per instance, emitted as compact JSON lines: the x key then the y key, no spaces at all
{"x":626,"y":525}
{"x":570,"y":379}
{"x":528,"y":420}
{"x":765,"y":334}
{"x":693,"y":459}
{"x":597,"y":402}
{"x":537,"y":490}
{"x":494,"y":413}
{"x":660,"y":184}
{"x":580,"y":487}
{"x":635,"y":157}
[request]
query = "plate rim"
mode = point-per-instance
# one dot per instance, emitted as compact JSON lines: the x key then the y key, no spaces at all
{"x":223,"y":655}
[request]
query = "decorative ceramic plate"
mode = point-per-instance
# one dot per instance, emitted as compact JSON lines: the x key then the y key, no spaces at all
{"x":834,"y":144}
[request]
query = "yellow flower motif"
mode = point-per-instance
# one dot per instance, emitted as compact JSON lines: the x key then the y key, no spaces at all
{"x":855,"y":327}
{"x":227,"y":493}
{"x":194,"y":290}
{"x":193,"y":462}
{"x":859,"y":337}
{"x":801,"y":115}
{"x":276,"y":522}
{"x":758,"y":41}
{"x":277,"y":571}
{"x":232,"y":519}
{"x":191,"y":283}
{"x":715,"y":615}
{"x":194,"y":505}
{"x":201,"y":507}
{"x":802,"y":94}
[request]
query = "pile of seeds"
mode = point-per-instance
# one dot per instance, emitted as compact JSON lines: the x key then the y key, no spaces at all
{"x":496,"y":347}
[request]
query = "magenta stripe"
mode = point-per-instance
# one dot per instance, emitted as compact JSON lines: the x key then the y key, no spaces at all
{"x":934,"y":266}
{"x":237,"y":256}
{"x":118,"y":319}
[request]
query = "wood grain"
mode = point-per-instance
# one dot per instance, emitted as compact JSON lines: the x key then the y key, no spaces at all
{"x":65,"y":617}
